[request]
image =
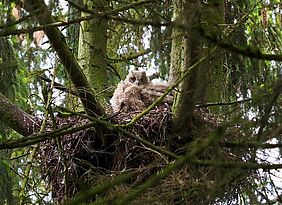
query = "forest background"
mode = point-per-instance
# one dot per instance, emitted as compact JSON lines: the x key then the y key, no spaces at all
{"x":220,"y":141}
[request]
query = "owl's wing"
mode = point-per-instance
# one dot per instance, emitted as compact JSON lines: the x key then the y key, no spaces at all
{"x":152,"y":91}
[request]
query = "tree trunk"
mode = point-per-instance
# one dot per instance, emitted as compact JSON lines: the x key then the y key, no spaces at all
{"x":92,"y":51}
{"x":213,"y":77}
{"x":186,"y":14}
{"x":191,"y":46}
{"x":8,"y":68}
{"x":70,"y":63}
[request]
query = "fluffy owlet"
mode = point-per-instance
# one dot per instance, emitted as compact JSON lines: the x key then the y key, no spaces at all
{"x":137,"y":92}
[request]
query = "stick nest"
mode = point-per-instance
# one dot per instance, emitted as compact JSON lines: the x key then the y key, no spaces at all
{"x":86,"y":158}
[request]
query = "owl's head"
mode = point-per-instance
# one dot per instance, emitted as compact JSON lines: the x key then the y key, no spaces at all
{"x":137,"y":77}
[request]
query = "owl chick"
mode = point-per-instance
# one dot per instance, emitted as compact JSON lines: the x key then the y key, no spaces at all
{"x":137,"y":92}
{"x":137,"y":78}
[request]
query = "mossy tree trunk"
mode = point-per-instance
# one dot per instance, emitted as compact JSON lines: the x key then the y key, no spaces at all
{"x":71,"y":101}
{"x":73,"y":69}
{"x":213,"y":77}
{"x":8,"y":69}
{"x":188,"y":47}
{"x":186,"y":44}
{"x":92,"y":51}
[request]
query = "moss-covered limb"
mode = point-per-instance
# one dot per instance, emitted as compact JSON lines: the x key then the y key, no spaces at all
{"x":41,"y":137}
{"x":132,"y":56}
{"x":8,"y":68}
{"x":15,"y":118}
{"x":89,"y":193}
{"x":88,"y":9}
{"x":193,"y":85}
{"x":71,"y":65}
{"x":249,"y":51}
{"x":224,"y":103}
{"x":235,"y":165}
{"x":176,"y":54}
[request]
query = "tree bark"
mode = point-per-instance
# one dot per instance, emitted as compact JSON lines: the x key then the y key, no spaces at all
{"x":213,"y":77}
{"x":15,"y":118}
{"x":92,"y":51}
{"x":8,"y":69}
{"x":196,"y":87}
{"x":71,"y":65}
{"x":190,"y":46}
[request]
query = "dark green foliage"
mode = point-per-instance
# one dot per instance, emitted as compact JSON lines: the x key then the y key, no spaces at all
{"x":231,"y":76}
{"x":6,"y":185}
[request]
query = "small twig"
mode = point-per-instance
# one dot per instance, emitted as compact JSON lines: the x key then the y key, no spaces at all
{"x":59,"y":86}
{"x":41,"y":137}
{"x":224,"y":103}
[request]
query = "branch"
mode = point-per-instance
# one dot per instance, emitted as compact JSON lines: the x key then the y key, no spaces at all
{"x":247,"y":145}
{"x":45,"y":25}
{"x":127,"y":133}
{"x":16,"y":118}
{"x":224,"y":103}
{"x":41,"y":137}
{"x":236,"y":165}
{"x":59,"y":86}
{"x":70,"y":63}
{"x":246,"y":51}
{"x":249,"y":51}
{"x":100,"y":188}
{"x":133,"y":56}
{"x":197,"y":149}
{"x":16,"y":22}
{"x":85,"y":9}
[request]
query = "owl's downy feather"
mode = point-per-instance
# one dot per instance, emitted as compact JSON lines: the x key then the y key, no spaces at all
{"x":137,"y":92}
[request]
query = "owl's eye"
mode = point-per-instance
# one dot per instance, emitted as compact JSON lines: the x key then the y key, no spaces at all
{"x":132,"y":79}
